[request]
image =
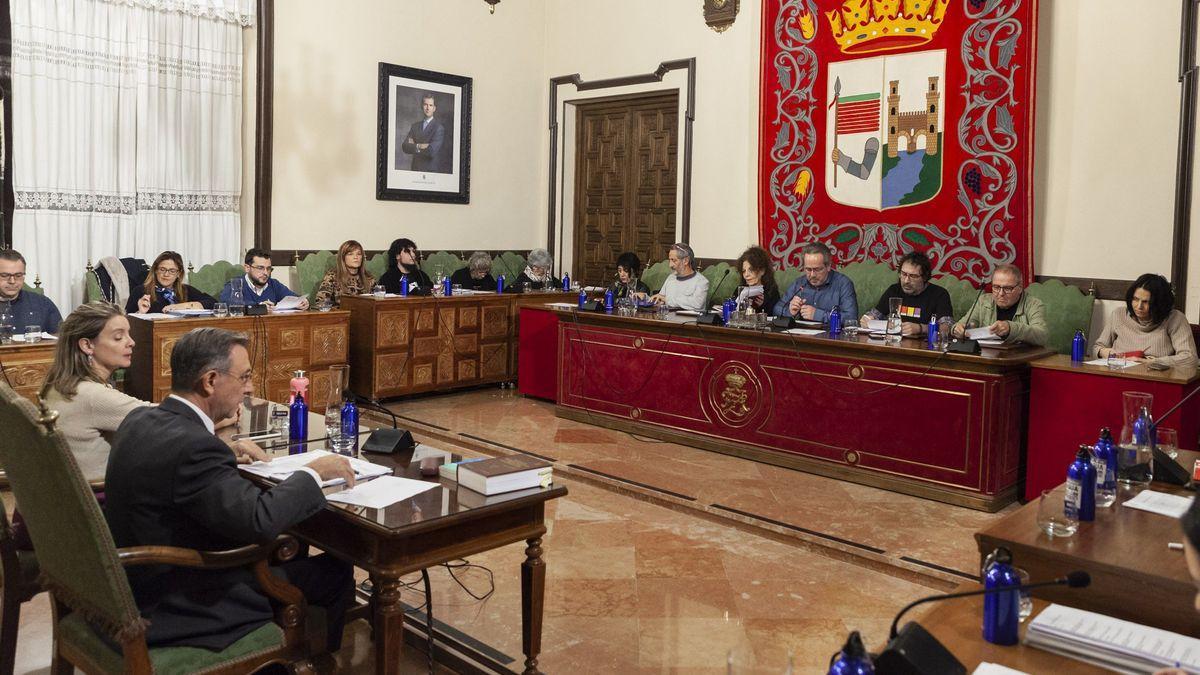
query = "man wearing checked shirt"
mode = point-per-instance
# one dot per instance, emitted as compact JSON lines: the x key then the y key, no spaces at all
{"x":814,"y":295}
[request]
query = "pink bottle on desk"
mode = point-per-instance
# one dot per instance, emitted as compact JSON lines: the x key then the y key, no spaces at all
{"x":299,"y":385}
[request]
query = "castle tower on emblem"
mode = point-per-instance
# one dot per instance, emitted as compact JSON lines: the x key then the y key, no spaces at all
{"x":913,"y":124}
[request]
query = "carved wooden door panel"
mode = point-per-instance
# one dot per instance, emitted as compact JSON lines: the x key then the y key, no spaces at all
{"x":625,"y":182}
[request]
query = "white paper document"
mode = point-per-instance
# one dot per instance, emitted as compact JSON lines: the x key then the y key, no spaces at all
{"x":290,"y":302}
{"x":1172,"y":506}
{"x":20,"y":337}
{"x":153,"y":316}
{"x":281,"y":468}
{"x":984,"y":333}
{"x":804,"y":331}
{"x":1113,"y":364}
{"x":564,"y":305}
{"x":382,"y":492}
{"x":877,"y":325}
{"x":191,"y":312}
{"x":986,"y":668}
{"x":1123,"y":646}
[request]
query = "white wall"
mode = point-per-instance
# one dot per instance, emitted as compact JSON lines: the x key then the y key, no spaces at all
{"x":326,"y":61}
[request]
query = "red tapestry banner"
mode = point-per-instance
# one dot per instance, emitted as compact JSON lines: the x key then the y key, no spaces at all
{"x":889,"y":126}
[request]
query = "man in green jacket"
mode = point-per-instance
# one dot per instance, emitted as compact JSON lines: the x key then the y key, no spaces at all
{"x":1010,"y":313}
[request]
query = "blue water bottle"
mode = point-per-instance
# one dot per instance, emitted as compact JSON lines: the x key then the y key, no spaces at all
{"x":582,"y":298}
{"x":404,"y":285}
{"x":727,"y":308}
{"x":500,"y":284}
{"x":566,"y":283}
{"x":608,"y":300}
{"x":1001,"y":611}
{"x":1080,"y":500}
{"x":1078,"y":344}
{"x":350,"y":423}
{"x":835,"y":322}
{"x":853,"y":660}
{"x":297,"y":423}
{"x":1104,"y":457}
{"x":931,"y":333}
{"x":447,"y":287}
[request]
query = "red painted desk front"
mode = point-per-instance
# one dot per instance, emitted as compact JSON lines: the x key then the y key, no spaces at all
{"x":902,"y":417}
{"x":1069,"y":403}
{"x":537,"y":355}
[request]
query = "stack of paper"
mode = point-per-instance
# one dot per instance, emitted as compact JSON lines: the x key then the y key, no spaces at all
{"x":382,"y":492}
{"x":20,"y":337}
{"x":291,"y":302}
{"x":281,"y":468}
{"x":192,"y":312}
{"x":1172,"y":506}
{"x":1101,"y":640}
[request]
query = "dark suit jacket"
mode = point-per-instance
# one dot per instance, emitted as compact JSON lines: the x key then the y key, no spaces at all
{"x":172,"y":483}
{"x":429,"y":159}
{"x":463,"y":278}
{"x":419,"y":283}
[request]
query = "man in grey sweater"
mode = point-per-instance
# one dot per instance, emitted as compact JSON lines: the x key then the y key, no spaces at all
{"x":685,"y":289}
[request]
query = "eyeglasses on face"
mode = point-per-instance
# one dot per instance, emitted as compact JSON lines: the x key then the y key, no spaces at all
{"x":814,"y":270}
{"x":911,"y":277}
{"x":169,"y":271}
{"x":1003,"y":290}
{"x":244,"y":379}
{"x":261,"y":268}
{"x":16,"y":276}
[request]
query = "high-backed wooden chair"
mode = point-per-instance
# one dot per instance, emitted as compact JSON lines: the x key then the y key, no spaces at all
{"x":93,"y":605}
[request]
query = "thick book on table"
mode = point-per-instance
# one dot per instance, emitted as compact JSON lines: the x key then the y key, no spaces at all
{"x":504,"y":474}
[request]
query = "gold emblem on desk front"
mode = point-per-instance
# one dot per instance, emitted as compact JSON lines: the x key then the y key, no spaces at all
{"x":734,"y":393}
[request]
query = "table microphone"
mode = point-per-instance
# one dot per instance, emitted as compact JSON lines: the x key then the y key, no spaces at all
{"x":966,"y":345}
{"x":709,"y":317}
{"x":914,"y":651}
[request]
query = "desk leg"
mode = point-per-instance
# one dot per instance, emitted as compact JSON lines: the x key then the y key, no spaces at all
{"x":533,"y":586}
{"x":388,"y":623}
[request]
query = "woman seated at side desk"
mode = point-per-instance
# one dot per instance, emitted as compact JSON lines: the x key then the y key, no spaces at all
{"x":1149,"y":328}
{"x":537,"y":274}
{"x":629,"y":266}
{"x":93,"y":342}
{"x":477,"y":275}
{"x":348,"y":276}
{"x":165,"y":291}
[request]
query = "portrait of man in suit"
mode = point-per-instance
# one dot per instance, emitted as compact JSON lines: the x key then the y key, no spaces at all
{"x":427,"y":141}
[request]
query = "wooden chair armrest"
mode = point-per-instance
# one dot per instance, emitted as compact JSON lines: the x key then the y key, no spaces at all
{"x":187,"y":557}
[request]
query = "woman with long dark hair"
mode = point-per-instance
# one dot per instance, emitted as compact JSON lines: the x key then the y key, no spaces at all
{"x":758,"y":286}
{"x":165,"y":291}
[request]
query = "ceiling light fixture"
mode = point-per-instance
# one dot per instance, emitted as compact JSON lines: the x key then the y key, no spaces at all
{"x":492,"y":4}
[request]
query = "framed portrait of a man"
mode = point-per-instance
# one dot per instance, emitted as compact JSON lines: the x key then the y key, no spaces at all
{"x":424,"y":136}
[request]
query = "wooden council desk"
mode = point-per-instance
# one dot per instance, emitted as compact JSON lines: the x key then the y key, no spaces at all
{"x":418,"y":344}
{"x":1069,"y":402}
{"x":1134,"y":576}
{"x":24,"y":366}
{"x":279,"y":344}
{"x":436,"y":526}
{"x":900,"y":417}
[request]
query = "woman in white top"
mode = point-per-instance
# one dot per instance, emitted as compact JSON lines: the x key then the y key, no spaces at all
{"x":93,"y":342}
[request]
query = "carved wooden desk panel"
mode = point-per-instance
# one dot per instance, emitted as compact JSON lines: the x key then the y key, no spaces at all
{"x":279,"y":345}
{"x":417,"y":344}
{"x":25,"y":366}
{"x":900,"y":417}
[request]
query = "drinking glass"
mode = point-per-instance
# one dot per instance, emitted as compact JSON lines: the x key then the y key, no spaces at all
{"x":338,"y":376}
{"x":1135,"y":465}
{"x":33,"y":334}
{"x":379,"y":291}
{"x":1167,"y":440}
{"x":237,"y":305}
{"x":893,"y":320}
{"x":661,"y":311}
{"x":456,"y":289}
{"x":324,"y":305}
{"x":220,"y":309}
{"x":945,"y":328}
{"x":1052,"y":517}
{"x":1025,"y":604}
{"x":1116,"y":360}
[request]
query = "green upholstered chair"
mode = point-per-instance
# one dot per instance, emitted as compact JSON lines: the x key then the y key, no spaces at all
{"x":1068,"y":309}
{"x":728,"y":282}
{"x":510,"y":264}
{"x":654,"y":275}
{"x":32,"y":289}
{"x":312,"y":269}
{"x":962,"y":294}
{"x":870,"y":279}
{"x":785,"y":277}
{"x":211,"y":278}
{"x":377,"y":265}
{"x":85,"y":572}
{"x":449,"y":263}
{"x":20,"y":571}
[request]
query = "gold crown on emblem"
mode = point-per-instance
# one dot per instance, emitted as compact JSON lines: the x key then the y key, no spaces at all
{"x":735,"y":380}
{"x":864,"y":26}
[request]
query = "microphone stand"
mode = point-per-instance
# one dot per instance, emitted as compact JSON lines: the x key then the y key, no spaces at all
{"x":1174,"y":473}
{"x":1061,"y":581}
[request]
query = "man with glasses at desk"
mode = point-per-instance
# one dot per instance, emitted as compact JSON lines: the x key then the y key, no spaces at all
{"x":26,"y":309}
{"x":257,"y":285}
{"x":1010,"y":313}
{"x":819,"y":290}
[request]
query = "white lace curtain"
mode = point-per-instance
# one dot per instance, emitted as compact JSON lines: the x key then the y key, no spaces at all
{"x":127,"y":122}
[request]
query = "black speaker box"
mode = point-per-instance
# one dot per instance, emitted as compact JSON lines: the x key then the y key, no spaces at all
{"x":915,"y":652}
{"x":389,"y":441}
{"x":964,"y":347}
{"x":592,"y":306}
{"x":710,"y":319}
{"x":256,"y":310}
{"x":783,"y":323}
{"x":1168,"y":470}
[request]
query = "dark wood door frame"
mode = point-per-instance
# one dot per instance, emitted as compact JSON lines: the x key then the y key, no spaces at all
{"x":685,"y":206}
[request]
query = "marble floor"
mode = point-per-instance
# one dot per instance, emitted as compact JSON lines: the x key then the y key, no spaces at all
{"x":664,"y":558}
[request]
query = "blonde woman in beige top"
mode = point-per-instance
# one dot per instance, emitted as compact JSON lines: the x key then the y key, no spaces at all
{"x":93,"y":342}
{"x":1149,"y":328}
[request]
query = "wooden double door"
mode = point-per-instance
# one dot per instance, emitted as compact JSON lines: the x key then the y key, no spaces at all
{"x":625,"y":181}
